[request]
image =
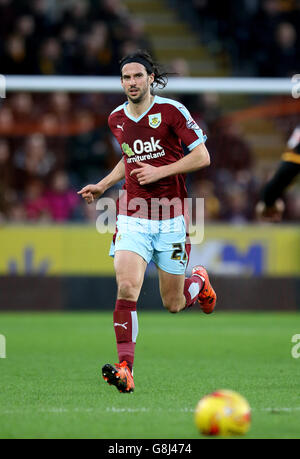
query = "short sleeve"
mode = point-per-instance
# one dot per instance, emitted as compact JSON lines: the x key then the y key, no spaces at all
{"x":186,"y":128}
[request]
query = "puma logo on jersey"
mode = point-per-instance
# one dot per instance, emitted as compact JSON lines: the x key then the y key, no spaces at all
{"x":120,"y":127}
{"x":121,"y":325}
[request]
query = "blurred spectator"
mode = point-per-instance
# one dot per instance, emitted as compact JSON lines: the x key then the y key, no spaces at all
{"x":45,"y":23}
{"x":7,"y":17}
{"x":293,"y":205}
{"x":208,"y":17}
{"x":70,"y":43}
{"x":50,"y":59}
{"x":127,"y":47}
{"x":15,"y":59}
{"x":92,"y":154}
{"x":50,"y":124}
{"x":285,"y":55}
{"x":22,"y":107}
{"x":112,"y":11}
{"x":17,"y":212}
{"x":229,"y":150}
{"x":208,"y":106}
{"x":33,"y":160}
{"x":6,"y":119}
{"x":25,"y":28}
{"x":78,"y":16}
{"x":61,"y":199}
{"x":35,"y":204}
{"x":180,"y":67}
{"x":96,"y":58}
{"x":237,"y":209}
{"x":6,"y":176}
{"x":212,"y":206}
{"x":61,"y":106}
{"x":137,"y":34}
{"x":5,"y":162}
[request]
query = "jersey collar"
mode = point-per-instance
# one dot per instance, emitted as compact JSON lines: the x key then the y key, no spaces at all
{"x":136,"y":120}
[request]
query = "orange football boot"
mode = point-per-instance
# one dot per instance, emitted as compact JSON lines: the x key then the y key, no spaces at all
{"x":119,"y":375}
{"x":207,"y":296}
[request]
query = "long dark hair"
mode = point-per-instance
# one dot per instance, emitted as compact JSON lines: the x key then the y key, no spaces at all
{"x":143,"y":57}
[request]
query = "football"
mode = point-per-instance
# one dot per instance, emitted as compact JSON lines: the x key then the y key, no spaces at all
{"x":224,"y":413}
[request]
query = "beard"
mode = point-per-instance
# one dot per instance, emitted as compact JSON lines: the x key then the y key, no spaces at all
{"x":138,"y":99}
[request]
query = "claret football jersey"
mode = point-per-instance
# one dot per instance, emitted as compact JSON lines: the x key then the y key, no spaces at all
{"x":154,"y":138}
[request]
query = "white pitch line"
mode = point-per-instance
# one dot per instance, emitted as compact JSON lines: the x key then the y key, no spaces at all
{"x":62,"y":410}
{"x":284,"y":409}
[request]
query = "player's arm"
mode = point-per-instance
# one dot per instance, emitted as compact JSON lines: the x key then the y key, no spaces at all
{"x":271,"y":207}
{"x":197,"y":159}
{"x":92,"y":192}
{"x":284,"y":175}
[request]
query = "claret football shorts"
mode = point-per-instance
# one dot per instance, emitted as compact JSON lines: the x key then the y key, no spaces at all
{"x":162,"y":241}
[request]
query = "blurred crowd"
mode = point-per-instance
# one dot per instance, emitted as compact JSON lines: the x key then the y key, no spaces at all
{"x":88,"y":37}
{"x":262,"y":37}
{"x":231,"y":185}
{"x":52,"y":145}
{"x":66,"y":37}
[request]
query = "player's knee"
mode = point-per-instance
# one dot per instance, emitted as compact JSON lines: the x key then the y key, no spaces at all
{"x":172,"y":305}
{"x":126,"y":289}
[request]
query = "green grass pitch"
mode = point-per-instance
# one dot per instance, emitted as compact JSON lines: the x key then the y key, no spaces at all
{"x":50,"y":384}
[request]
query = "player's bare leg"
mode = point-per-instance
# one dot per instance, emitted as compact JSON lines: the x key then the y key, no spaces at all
{"x":178,"y":292}
{"x":130,"y":270}
{"x":171,"y":290}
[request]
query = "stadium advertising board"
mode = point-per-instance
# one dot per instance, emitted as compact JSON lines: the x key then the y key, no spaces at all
{"x":80,"y":250}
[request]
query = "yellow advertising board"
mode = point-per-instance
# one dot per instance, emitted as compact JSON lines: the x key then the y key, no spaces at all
{"x":81,"y":250}
{"x":54,"y":250}
{"x":250,"y":250}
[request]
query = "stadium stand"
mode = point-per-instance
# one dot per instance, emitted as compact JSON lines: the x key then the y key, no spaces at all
{"x":52,"y":144}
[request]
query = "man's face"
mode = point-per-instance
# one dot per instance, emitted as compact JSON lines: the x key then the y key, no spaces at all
{"x":136,"y":82}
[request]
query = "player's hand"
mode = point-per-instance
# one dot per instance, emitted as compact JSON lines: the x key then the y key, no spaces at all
{"x":146,"y":173}
{"x":91,"y":192}
{"x":270,"y":214}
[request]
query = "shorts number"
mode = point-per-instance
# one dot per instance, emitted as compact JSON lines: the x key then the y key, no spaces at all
{"x":179,"y":253}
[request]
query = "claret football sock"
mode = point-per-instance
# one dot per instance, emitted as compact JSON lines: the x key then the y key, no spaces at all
{"x":126,"y":329}
{"x":192,"y":288}
{"x":207,"y":297}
